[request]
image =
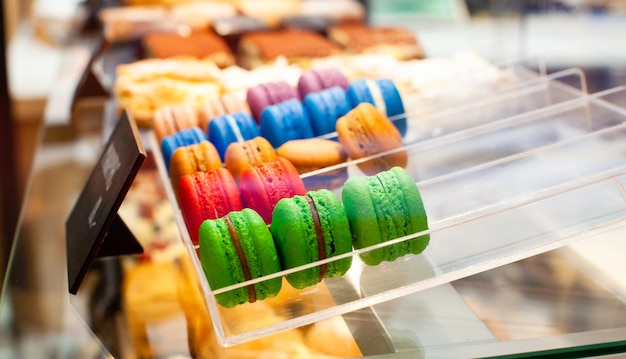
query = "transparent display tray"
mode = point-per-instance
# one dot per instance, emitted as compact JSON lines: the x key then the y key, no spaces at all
{"x":532,"y":167}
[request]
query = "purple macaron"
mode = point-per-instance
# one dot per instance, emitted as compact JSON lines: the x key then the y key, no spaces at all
{"x":270,"y":93}
{"x":320,"y":79}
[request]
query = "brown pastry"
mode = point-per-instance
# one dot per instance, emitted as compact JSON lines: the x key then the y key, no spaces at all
{"x":363,"y":39}
{"x":199,"y":45}
{"x":171,"y":119}
{"x":312,"y":153}
{"x":226,"y":104}
{"x":298,"y":47}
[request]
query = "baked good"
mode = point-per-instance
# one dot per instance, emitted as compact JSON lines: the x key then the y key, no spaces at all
{"x":236,"y":248}
{"x":241,"y":155}
{"x":315,"y":80}
{"x":200,"y":15}
{"x":186,"y":137}
{"x":268,"y":93}
{"x":384,"y":207}
{"x":229,"y":128}
{"x":297,"y":46}
{"x":310,"y":228}
{"x":285,"y":121}
{"x":359,"y":38}
{"x":171,"y":119}
{"x":270,"y":12}
{"x":325,"y":107}
{"x":383,"y":94}
{"x":336,"y":11}
{"x":364,"y":132}
{"x":146,"y":85}
{"x":227,"y":103}
{"x":207,"y":195}
{"x":311,"y":154}
{"x":263,"y":185}
{"x":201,"y":157}
{"x":199,"y":45}
{"x":123,"y":23}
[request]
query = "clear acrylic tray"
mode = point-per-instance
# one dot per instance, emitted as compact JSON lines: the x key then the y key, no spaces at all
{"x":527,"y":169}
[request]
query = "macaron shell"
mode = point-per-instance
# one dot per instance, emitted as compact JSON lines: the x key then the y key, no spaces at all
{"x":186,"y":137}
{"x":393,"y":104}
{"x":312,"y":153}
{"x":262,"y":186}
{"x":325,"y":107}
{"x":416,"y":213}
{"x":363,"y":132}
{"x":266,"y":94}
{"x":207,"y":195}
{"x":309,"y":83}
{"x":363,"y":219}
{"x":169,"y":120}
{"x":201,"y":157}
{"x":332,"y":76}
{"x":241,"y":155}
{"x":285,"y":121}
{"x":208,"y":111}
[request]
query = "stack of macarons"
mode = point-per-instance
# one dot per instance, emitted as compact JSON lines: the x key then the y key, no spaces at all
{"x":311,"y":227}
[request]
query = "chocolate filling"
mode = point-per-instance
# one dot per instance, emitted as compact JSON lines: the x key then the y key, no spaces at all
{"x":321,"y":246}
{"x":242,"y":259}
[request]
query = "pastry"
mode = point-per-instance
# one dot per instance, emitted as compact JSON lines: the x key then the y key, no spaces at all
{"x":241,"y":155}
{"x":336,"y":11}
{"x":399,"y":42}
{"x":189,"y":136}
{"x":384,"y":207}
{"x":298,"y":47}
{"x":229,"y":128}
{"x":236,"y":248}
{"x":270,"y":12}
{"x":325,"y":107}
{"x":263,"y":185}
{"x":123,"y":23}
{"x":201,"y":157}
{"x":285,"y":121}
{"x":200,"y":15}
{"x":199,"y":45}
{"x":312,"y":153}
{"x":171,"y":119}
{"x":207,"y":195}
{"x":364,"y":132}
{"x":383,"y":94}
{"x":268,"y":93}
{"x":315,"y":80}
{"x":310,"y":228}
{"x":227,"y":103}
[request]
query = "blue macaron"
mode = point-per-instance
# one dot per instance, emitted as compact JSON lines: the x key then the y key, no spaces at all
{"x":228,"y":128}
{"x":186,"y":137}
{"x":383,"y":94}
{"x":287,"y":120}
{"x":325,"y":107}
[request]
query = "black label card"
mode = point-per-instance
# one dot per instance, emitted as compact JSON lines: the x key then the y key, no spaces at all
{"x":94,"y":219}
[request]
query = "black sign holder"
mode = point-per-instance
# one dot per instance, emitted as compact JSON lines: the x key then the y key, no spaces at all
{"x":94,"y":228}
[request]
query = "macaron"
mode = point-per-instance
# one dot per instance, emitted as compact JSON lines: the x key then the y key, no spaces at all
{"x":201,"y":157}
{"x":207,"y":195}
{"x":269,"y":93}
{"x":366,"y":132}
{"x":381,"y":93}
{"x":319,"y":79}
{"x":325,"y":107}
{"x":311,"y":154}
{"x":227,"y":103}
{"x":228,"y":128}
{"x":263,"y":185}
{"x":186,"y":137}
{"x":385,"y":207}
{"x":285,"y":121}
{"x":241,"y":155}
{"x":169,"y":120}
{"x":236,"y":248}
{"x":310,"y":228}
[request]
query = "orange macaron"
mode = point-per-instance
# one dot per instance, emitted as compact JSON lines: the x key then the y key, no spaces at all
{"x":169,"y":120}
{"x":201,"y":157}
{"x":241,"y":155}
{"x":366,"y":132}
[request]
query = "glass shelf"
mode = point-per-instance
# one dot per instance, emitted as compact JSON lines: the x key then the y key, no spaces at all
{"x":504,"y":178}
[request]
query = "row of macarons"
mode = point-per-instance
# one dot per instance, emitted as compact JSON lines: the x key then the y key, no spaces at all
{"x":279,"y":112}
{"x":307,"y":227}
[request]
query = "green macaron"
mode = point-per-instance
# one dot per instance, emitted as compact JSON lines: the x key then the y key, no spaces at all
{"x":236,"y":248}
{"x":385,"y":207}
{"x":310,"y":228}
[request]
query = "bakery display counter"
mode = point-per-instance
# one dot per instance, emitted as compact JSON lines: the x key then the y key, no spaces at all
{"x":524,"y":173}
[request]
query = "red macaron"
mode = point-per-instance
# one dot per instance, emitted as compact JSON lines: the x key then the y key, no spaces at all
{"x":263,"y":185}
{"x":207,"y":195}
